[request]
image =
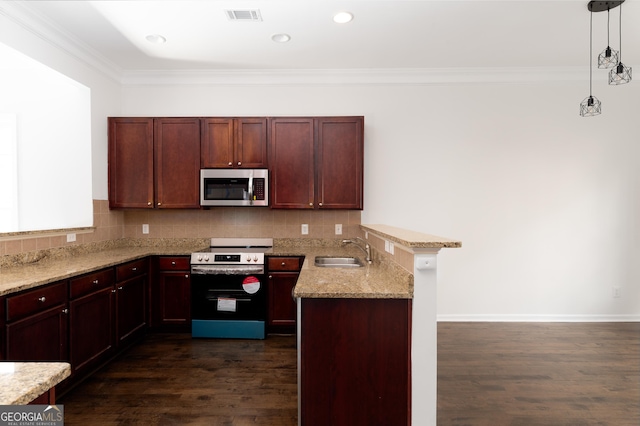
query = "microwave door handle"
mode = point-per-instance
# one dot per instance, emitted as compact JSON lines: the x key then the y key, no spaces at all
{"x":251,"y":189}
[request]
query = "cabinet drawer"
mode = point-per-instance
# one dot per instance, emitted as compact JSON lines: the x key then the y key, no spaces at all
{"x":36,"y":300}
{"x":175,"y":263}
{"x":131,"y":269}
{"x":284,"y":263}
{"x":91,"y":282}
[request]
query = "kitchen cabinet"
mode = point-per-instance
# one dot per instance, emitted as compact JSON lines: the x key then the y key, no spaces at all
{"x":283,"y":274}
{"x":2,"y":332}
{"x":131,"y":301}
{"x":37,"y":324}
{"x":234,"y":142}
{"x":317,"y":163}
{"x":355,"y":361}
{"x":171,"y":294}
{"x":154,"y":162}
{"x":91,"y":319}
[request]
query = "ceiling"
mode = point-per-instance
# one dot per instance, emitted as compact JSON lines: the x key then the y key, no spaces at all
{"x":418,"y":34}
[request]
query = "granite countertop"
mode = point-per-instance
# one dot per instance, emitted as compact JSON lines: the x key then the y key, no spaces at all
{"x":47,"y":271}
{"x":29,"y":380}
{"x":411,"y":239}
{"x":372,"y":281}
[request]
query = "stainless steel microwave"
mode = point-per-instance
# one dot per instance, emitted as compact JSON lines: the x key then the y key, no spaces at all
{"x":234,"y":187}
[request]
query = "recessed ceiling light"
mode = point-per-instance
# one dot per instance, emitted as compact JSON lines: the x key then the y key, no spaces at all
{"x":156,"y":39}
{"x":281,"y":38}
{"x":342,"y":17}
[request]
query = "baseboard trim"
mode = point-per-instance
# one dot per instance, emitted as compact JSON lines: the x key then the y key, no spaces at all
{"x":538,"y":318}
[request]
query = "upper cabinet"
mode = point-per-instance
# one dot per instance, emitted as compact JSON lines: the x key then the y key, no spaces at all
{"x":141,"y":148}
{"x":234,"y":143}
{"x":317,"y":163}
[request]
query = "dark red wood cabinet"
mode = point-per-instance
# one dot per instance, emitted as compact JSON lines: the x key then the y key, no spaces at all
{"x":131,"y":301}
{"x":37,"y":322}
{"x":154,"y":162}
{"x":234,"y":143}
{"x":317,"y":163}
{"x":355,"y":362}
{"x":283,"y":272}
{"x":2,"y":331}
{"x":91,"y":319}
{"x":171,"y":294}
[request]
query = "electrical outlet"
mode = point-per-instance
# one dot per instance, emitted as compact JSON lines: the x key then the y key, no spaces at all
{"x":304,"y":229}
{"x":366,"y":235}
{"x":71,"y":238}
{"x":616,"y":292}
{"x":386,"y":246}
{"x":145,"y":228}
{"x":338,"y":229}
{"x":391,"y":247}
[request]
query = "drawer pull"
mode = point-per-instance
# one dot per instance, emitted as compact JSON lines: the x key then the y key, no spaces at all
{"x":42,"y":299}
{"x":95,"y":281}
{"x":113,"y":291}
{"x":186,"y":276}
{"x":119,"y":288}
{"x":173,"y":263}
{"x":282,"y":263}
{"x":65,"y":311}
{"x":134,"y":269}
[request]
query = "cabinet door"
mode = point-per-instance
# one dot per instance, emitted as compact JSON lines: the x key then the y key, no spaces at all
{"x":91,"y":328}
{"x":177,"y":162}
{"x":339,"y":162}
{"x":39,"y":337}
{"x":130,"y":163}
{"x":217,"y":143}
{"x":281,"y":317}
{"x":251,"y":143}
{"x":130,"y":309}
{"x":2,"y":330}
{"x":291,"y":162}
{"x":173,"y":301}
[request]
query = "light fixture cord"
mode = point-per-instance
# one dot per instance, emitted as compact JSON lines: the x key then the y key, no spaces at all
{"x":620,"y":28}
{"x":590,"y":51}
{"x":608,"y":42}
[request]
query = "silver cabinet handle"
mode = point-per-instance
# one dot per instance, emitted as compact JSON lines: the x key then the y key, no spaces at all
{"x":311,"y":204}
{"x":173,"y":263}
{"x":95,"y":281}
{"x":65,"y":311}
{"x":239,"y":163}
{"x":230,"y":163}
{"x":320,"y":204}
{"x":159,"y":204}
{"x":282,"y":263}
{"x":113,"y":291}
{"x":149,"y":203}
{"x":134,"y":269}
{"x":119,"y":288}
{"x":42,"y":299}
{"x":270,"y":277}
{"x":186,"y":276}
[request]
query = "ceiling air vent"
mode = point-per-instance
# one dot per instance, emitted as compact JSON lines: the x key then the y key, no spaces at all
{"x":244,"y":15}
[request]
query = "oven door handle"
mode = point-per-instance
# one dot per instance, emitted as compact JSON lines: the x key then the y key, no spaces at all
{"x":230,"y":270}
{"x":213,"y":299}
{"x":251,"y":188}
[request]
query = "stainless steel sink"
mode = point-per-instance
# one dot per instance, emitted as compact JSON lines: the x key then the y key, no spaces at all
{"x":338,"y":262}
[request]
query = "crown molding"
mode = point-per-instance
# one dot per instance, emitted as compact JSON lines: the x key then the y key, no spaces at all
{"x":20,"y":13}
{"x":389,"y":76}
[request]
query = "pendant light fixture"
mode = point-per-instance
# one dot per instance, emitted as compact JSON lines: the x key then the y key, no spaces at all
{"x":620,"y":74}
{"x":590,"y":106}
{"x":609,"y":57}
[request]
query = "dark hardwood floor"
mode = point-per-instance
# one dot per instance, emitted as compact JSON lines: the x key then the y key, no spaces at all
{"x":511,"y":374}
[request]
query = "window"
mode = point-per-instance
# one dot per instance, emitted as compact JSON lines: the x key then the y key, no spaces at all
{"x":45,"y":147}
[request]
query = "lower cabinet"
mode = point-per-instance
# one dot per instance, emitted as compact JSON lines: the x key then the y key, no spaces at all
{"x":283,"y":272}
{"x":131,"y":301}
{"x":171,"y":294}
{"x":91,"y":319}
{"x":2,"y":331}
{"x":37,"y":324}
{"x":355,"y":362}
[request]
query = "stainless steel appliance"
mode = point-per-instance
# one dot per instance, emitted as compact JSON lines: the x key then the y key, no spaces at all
{"x":234,"y":187}
{"x":228,"y":289}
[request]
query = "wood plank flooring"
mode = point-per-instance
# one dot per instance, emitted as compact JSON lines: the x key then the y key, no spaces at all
{"x":511,"y":374}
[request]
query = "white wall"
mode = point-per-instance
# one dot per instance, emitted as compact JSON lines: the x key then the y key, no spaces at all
{"x":41,"y":44}
{"x":545,"y":202}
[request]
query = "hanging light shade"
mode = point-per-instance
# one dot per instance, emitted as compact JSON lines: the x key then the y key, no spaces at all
{"x":620,"y":74}
{"x":609,"y":57}
{"x":590,"y":106}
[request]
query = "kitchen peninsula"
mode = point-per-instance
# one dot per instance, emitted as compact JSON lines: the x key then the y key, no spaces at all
{"x":399,"y":285}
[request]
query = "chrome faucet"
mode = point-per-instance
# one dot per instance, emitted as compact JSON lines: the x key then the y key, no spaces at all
{"x":366,"y":249}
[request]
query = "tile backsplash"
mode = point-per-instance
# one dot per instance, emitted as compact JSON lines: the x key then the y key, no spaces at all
{"x":112,"y":225}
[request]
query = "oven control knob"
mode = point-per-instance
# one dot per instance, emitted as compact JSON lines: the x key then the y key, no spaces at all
{"x":199,"y":258}
{"x":206,"y":258}
{"x":248,"y":258}
{"x":255,"y":258}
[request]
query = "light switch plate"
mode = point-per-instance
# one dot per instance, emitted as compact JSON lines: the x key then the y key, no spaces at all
{"x":338,"y":229}
{"x":304,"y":229}
{"x":71,"y":238}
{"x":145,"y":228}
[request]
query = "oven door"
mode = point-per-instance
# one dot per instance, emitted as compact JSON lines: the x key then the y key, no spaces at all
{"x":228,"y":305}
